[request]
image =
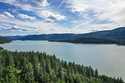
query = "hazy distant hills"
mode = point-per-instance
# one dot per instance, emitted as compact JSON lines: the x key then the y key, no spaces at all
{"x":116,"y":36}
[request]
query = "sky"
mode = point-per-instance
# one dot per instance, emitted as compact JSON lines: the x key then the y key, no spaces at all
{"x":24,"y":17}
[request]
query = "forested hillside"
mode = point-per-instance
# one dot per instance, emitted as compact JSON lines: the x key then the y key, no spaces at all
{"x":115,"y":36}
{"x":35,"y":67}
{"x":4,"y":40}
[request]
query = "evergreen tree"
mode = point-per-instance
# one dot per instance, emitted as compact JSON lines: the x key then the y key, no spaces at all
{"x":11,"y":75}
{"x":35,"y":67}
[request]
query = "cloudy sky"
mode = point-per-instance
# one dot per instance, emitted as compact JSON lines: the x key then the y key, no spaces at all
{"x":20,"y":17}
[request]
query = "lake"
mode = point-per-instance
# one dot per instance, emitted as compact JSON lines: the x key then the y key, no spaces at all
{"x":108,"y":59}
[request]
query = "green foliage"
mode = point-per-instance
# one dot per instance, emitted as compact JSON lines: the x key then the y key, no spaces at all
{"x":35,"y":67}
{"x":11,"y":74}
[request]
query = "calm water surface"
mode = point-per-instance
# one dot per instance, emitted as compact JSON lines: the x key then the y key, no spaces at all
{"x":108,"y":59}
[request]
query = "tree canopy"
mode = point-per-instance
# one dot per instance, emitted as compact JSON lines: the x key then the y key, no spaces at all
{"x":35,"y":67}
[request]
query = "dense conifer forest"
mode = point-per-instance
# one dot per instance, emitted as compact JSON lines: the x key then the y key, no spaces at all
{"x":35,"y":67}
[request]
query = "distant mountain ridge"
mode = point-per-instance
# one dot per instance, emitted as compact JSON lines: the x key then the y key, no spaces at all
{"x":4,"y":40}
{"x":109,"y":36}
{"x":116,"y":36}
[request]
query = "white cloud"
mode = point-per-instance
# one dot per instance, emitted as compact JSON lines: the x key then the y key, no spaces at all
{"x":26,"y":17}
{"x":78,"y":5}
{"x":8,"y":1}
{"x":112,"y":10}
{"x":45,"y":3}
{"x":9,"y":14}
{"x":2,"y":16}
{"x":51,"y":28}
{"x":48,"y":13}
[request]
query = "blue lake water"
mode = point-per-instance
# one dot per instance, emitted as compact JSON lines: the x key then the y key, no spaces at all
{"x":108,"y":59}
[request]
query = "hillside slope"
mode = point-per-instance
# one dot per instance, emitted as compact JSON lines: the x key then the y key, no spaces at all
{"x":116,"y":36}
{"x":35,"y":67}
{"x":4,"y":40}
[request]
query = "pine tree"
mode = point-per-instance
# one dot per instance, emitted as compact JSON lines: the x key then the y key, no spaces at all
{"x":12,"y":74}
